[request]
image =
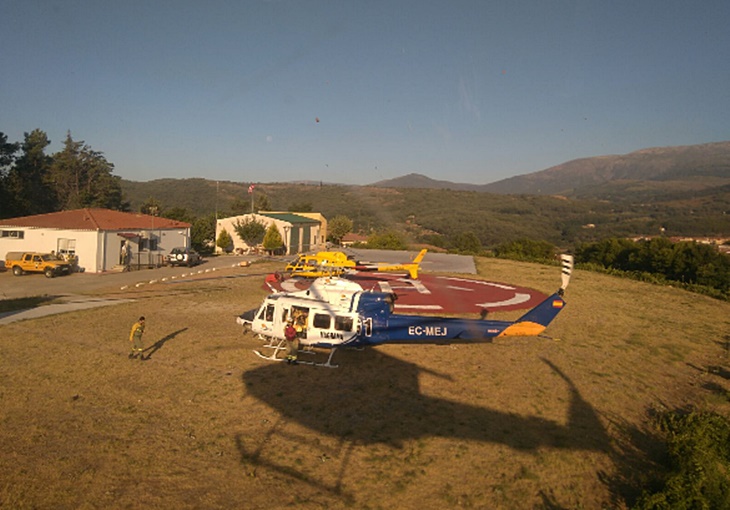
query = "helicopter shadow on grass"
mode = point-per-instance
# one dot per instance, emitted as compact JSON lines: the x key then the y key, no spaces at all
{"x":376,"y":398}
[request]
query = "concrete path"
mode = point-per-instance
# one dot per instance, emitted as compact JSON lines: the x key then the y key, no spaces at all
{"x":81,"y":303}
{"x":438,"y":262}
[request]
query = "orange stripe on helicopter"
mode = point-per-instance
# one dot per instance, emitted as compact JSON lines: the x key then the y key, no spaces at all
{"x":523,"y":329}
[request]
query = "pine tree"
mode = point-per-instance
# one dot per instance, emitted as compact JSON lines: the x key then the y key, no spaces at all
{"x":83,"y":177}
{"x":28,"y":180}
{"x":7,"y":158}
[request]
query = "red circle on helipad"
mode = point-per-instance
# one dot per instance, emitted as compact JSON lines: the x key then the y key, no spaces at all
{"x":434,"y":294}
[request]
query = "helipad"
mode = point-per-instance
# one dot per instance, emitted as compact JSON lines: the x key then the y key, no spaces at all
{"x":436,"y":294}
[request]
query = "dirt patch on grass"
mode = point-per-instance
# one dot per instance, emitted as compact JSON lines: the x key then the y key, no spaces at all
{"x":521,"y":423}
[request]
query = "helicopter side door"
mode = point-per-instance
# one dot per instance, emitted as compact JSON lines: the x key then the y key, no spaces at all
{"x":332,"y":329}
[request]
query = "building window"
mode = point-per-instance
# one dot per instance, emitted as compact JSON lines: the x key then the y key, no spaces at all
{"x":12,"y":234}
{"x":148,"y":244}
{"x":66,"y":247}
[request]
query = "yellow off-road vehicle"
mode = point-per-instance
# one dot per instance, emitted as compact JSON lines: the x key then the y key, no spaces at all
{"x":30,"y":262}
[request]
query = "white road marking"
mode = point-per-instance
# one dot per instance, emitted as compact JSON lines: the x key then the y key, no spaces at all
{"x":516,"y":300}
{"x":452,"y":287}
{"x":479,"y":282}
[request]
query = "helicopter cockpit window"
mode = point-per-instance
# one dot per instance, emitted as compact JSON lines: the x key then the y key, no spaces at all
{"x":269,"y":313}
{"x":321,"y":321}
{"x":343,"y":323}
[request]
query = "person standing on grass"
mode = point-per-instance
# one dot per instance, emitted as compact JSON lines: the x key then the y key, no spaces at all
{"x":135,"y":336}
{"x":292,"y":342}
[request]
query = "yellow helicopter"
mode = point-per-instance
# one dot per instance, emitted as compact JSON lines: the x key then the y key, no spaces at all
{"x":336,"y":263}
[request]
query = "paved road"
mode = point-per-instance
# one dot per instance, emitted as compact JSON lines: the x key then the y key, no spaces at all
{"x":12,"y":287}
{"x":437,"y":262}
{"x":29,"y":285}
{"x":73,"y":287}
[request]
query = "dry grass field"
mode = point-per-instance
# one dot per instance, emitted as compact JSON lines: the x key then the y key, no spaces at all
{"x":520,"y":423}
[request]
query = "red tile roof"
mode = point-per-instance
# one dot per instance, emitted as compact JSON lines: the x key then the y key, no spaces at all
{"x":93,"y":219}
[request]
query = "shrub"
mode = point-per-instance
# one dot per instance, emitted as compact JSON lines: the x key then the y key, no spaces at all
{"x":388,"y":240}
{"x":699,"y":463}
{"x":526,"y":249}
{"x":224,"y":241}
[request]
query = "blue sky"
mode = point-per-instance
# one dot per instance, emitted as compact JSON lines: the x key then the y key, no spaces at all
{"x":359,"y":91}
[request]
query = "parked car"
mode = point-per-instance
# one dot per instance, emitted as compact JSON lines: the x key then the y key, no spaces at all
{"x":183,"y":257}
{"x":32,"y":262}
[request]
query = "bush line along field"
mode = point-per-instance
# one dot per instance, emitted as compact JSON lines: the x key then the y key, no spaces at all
{"x":520,"y":423}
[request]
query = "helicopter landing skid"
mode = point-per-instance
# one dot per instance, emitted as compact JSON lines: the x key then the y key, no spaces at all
{"x":280,"y":347}
{"x":270,"y":357}
{"x":272,"y":344}
{"x":327,"y":363}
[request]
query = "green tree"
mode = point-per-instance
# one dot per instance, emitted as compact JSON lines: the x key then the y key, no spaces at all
{"x":526,"y":249}
{"x":653,"y":256}
{"x":178,"y":214}
{"x":387,"y":240}
{"x":83,"y":177}
{"x":7,"y":153}
{"x":261,"y":203}
{"x":301,"y":207}
{"x":466,"y":242}
{"x":28,"y":179}
{"x":686,"y":262}
{"x":202,"y":234}
{"x":272,"y":239}
{"x":433,"y":239}
{"x":338,"y":227}
{"x":7,"y":158}
{"x":240,"y":206}
{"x":613,"y":252}
{"x":224,"y":241}
{"x":152,"y":207}
{"x":250,"y":231}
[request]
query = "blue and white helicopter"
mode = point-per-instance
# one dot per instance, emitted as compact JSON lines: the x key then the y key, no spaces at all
{"x":335,"y":312}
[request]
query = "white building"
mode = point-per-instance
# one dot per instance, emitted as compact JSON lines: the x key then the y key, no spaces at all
{"x":96,"y":237}
{"x":301,"y":232}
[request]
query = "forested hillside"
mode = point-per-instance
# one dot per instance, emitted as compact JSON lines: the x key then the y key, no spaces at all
{"x":435,"y":216}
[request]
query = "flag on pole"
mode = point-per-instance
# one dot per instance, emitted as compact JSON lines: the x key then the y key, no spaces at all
{"x":250,"y":189}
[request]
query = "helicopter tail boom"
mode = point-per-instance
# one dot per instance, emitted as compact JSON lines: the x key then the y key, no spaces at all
{"x":536,"y":320}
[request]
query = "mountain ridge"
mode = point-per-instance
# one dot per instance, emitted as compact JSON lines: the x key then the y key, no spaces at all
{"x":678,"y":164}
{"x":677,"y":191}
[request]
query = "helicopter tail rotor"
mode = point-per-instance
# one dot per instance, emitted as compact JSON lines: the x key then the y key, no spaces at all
{"x":567,"y":263}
